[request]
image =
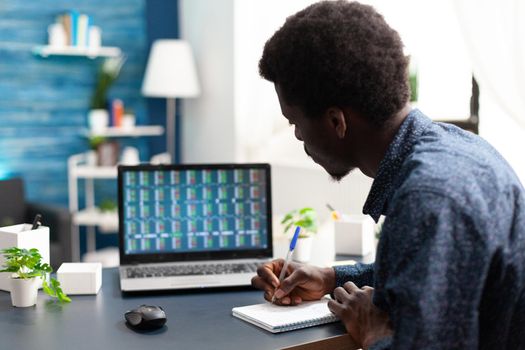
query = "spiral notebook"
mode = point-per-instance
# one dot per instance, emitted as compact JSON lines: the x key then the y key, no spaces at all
{"x":278,"y":319}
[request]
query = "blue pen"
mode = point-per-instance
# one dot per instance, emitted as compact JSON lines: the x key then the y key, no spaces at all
{"x":288,"y":256}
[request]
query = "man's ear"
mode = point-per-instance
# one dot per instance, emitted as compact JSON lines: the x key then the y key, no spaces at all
{"x":336,"y":120}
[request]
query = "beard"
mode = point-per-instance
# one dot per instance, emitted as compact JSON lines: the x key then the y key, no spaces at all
{"x":336,"y":175}
{"x":306,"y":151}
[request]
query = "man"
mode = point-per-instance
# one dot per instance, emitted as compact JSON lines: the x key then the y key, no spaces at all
{"x":450,"y":264}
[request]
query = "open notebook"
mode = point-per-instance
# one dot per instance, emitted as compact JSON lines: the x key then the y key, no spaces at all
{"x":278,"y":319}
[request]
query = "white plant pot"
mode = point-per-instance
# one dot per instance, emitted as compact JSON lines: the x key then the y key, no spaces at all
{"x":98,"y":120}
{"x":303,"y":249}
{"x":24,"y":291}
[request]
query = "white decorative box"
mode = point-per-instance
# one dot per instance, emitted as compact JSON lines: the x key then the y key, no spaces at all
{"x":354,"y":235}
{"x":80,"y":278}
{"x":21,"y":236}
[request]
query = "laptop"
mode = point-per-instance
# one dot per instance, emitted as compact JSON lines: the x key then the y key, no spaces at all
{"x":193,"y":225}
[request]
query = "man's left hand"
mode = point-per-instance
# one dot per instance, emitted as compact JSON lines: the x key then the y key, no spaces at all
{"x":365,"y":323}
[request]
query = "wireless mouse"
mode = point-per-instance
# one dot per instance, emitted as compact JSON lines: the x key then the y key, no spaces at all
{"x":146,"y":317}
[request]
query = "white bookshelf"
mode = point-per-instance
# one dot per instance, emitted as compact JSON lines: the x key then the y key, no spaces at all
{"x":80,"y":168}
{"x":103,"y":51}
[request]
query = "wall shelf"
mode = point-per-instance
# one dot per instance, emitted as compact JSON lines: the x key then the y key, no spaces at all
{"x":103,"y":51}
{"x":94,"y":172}
{"x":137,"y":131}
{"x":107,"y":222}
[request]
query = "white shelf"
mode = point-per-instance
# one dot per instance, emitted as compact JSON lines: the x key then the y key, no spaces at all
{"x":95,"y":172}
{"x":106,"y":221}
{"x":137,"y":131}
{"x":103,"y":51}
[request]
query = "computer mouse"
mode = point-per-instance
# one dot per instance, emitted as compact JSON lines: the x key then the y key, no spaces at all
{"x":146,"y":317}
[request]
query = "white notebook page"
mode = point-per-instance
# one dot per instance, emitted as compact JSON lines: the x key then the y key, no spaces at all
{"x":272,"y":316}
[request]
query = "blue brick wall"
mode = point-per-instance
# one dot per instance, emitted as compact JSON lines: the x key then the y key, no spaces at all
{"x":44,"y":101}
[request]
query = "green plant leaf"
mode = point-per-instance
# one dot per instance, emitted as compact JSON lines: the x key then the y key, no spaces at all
{"x":310,"y":215}
{"x":303,"y":223}
{"x":8,"y":251}
{"x":95,"y":141}
{"x":47,"y":289}
{"x":108,"y":205}
{"x":10,"y":269}
{"x":34,"y":274}
{"x":45,"y":267}
{"x":107,"y":74}
{"x":64,"y":298}
{"x":304,"y":217}
{"x":287,"y":218}
{"x":306,"y":210}
{"x":56,"y":291}
{"x":287,"y":227}
{"x":25,"y":263}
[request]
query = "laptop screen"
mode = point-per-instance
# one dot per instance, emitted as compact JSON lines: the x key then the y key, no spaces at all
{"x":186,"y":212}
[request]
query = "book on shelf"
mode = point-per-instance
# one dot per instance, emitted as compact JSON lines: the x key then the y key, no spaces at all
{"x":79,"y":30}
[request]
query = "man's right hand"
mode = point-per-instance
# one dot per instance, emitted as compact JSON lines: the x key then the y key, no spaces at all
{"x":302,"y":282}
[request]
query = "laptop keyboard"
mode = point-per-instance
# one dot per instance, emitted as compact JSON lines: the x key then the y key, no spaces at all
{"x":189,"y":270}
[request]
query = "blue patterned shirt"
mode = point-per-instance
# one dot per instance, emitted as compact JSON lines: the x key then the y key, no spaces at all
{"x":450,"y":263}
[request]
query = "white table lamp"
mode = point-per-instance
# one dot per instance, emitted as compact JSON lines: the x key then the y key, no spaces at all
{"x":171,"y":74}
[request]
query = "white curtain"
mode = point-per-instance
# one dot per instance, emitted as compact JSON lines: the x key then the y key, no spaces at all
{"x":494,"y":33}
{"x":261,"y":130}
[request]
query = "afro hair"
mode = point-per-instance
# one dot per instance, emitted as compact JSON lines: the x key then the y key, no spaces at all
{"x":338,"y":53}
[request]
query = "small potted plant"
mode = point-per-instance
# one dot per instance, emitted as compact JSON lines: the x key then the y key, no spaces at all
{"x":26,"y":267}
{"x":306,"y":218}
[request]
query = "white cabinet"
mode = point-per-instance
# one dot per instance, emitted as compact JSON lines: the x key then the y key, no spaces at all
{"x":83,"y":167}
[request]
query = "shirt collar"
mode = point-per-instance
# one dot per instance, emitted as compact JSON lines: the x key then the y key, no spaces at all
{"x":401,"y":147}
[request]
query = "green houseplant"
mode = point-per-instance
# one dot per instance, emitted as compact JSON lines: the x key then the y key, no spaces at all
{"x":26,"y":268}
{"x":306,"y":218}
{"x":413,"y":80}
{"x":98,"y":117}
{"x":108,"y":73}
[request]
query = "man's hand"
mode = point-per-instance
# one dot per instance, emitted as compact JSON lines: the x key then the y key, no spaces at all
{"x":302,"y":282}
{"x":365,"y":323}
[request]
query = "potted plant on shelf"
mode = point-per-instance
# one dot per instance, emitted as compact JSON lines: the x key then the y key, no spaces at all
{"x":413,"y":80}
{"x":26,"y":267}
{"x":306,"y":218}
{"x":104,"y":152}
{"x":98,"y":117}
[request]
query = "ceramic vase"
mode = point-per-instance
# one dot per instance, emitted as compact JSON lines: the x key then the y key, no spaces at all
{"x":98,"y":120}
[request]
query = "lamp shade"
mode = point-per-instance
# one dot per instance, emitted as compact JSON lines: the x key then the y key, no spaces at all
{"x":170,"y":71}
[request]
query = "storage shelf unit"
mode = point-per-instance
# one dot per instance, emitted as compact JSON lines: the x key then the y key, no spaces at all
{"x":91,"y":217}
{"x":103,"y":51}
